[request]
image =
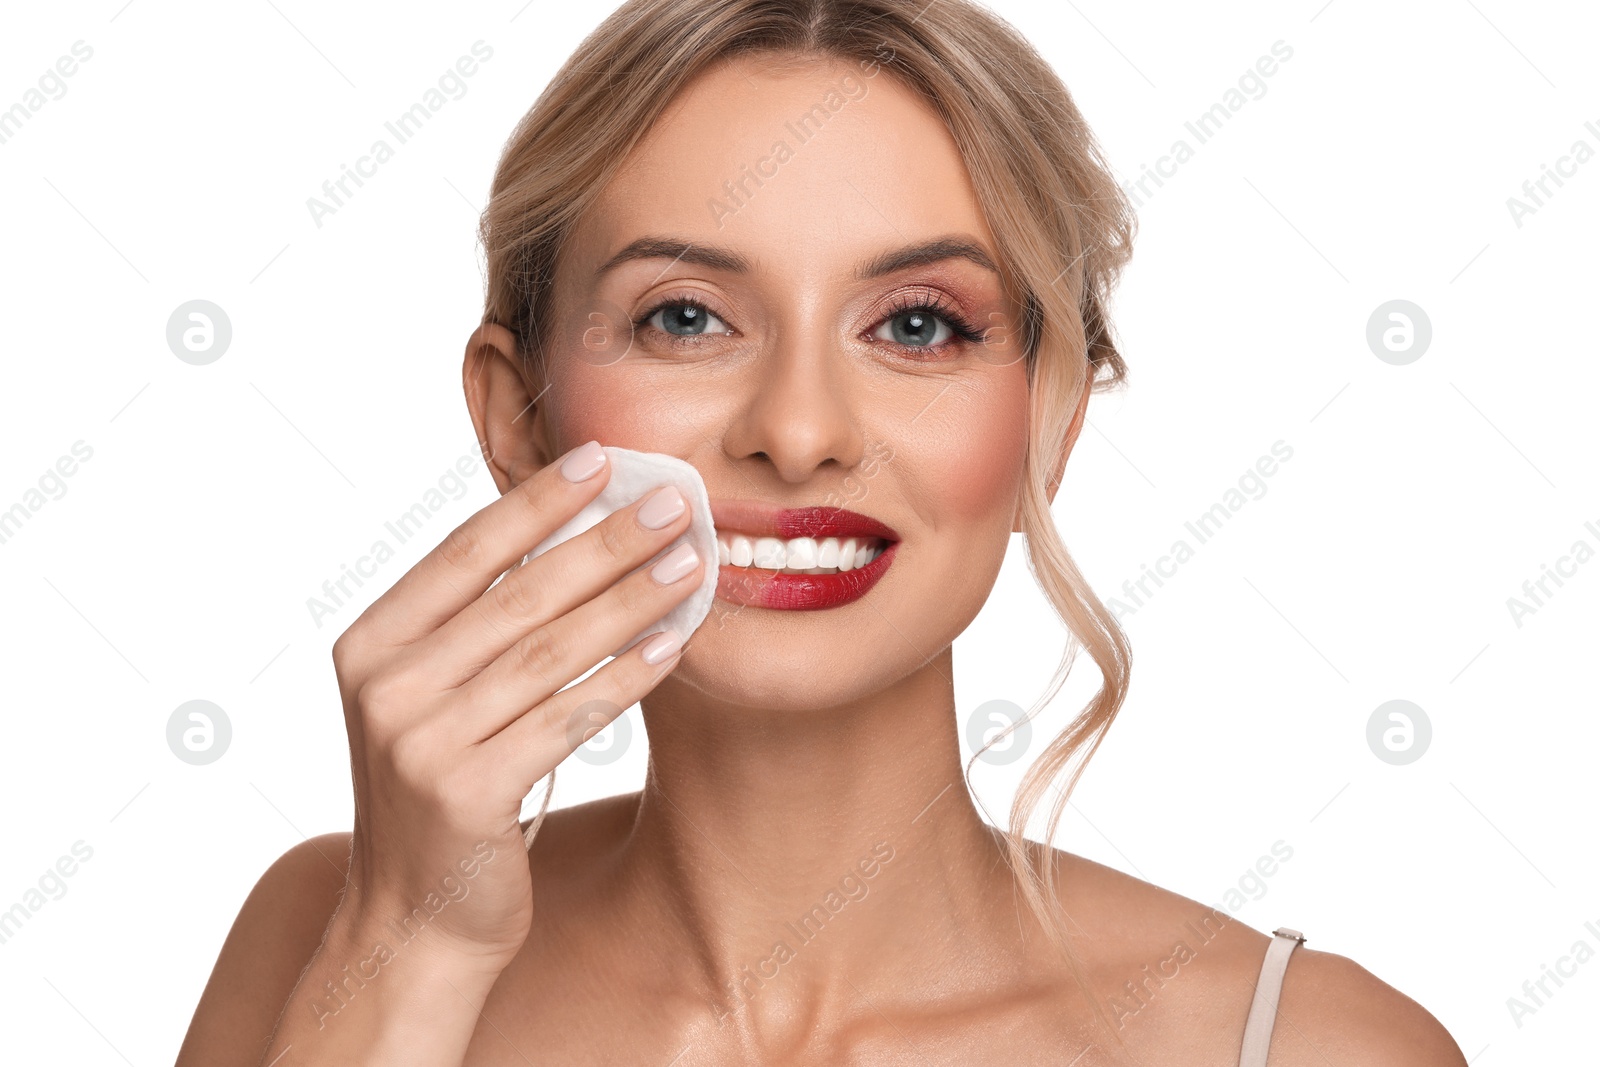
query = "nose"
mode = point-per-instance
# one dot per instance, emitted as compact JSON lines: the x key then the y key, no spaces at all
{"x":801,"y":407}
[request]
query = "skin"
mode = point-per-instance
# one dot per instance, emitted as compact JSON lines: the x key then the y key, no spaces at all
{"x":786,"y":745}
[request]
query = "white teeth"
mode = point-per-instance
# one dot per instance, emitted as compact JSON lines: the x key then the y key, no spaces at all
{"x":798,"y":555}
{"x":828,"y":554}
{"x":802,"y":553}
{"x":769,"y":553}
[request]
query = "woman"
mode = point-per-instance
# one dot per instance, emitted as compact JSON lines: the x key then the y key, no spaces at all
{"x":788,"y":241}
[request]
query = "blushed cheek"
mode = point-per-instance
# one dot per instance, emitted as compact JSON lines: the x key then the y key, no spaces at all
{"x":976,"y":456}
{"x":608,"y":405}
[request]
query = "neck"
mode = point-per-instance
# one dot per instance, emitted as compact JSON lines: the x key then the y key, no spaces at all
{"x":803,"y":857}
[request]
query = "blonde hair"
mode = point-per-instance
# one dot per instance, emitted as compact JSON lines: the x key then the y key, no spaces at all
{"x":1063,"y":225}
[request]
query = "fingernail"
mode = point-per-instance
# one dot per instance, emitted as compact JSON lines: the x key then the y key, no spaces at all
{"x":584,"y":462}
{"x":675,"y":564}
{"x":662,"y":646}
{"x":664,"y":505}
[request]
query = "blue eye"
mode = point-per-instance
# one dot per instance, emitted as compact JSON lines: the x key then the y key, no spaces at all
{"x":922,"y":329}
{"x":682,"y":318}
{"x":929,"y":325}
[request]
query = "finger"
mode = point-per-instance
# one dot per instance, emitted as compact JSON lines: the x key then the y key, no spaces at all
{"x":533,"y":744}
{"x":549,"y":586}
{"x":478,"y":551}
{"x":538,"y":665}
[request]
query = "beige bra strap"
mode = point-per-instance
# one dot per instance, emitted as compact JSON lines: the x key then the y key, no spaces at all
{"x":1264,"y":1008}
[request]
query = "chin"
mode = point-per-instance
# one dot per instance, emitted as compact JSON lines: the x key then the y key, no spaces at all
{"x":773,"y":673}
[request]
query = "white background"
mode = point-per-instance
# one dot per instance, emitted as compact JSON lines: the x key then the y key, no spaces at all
{"x":1377,"y":566}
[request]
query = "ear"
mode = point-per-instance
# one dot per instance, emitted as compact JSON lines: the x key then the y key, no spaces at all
{"x":510,"y":424}
{"x":1073,"y":430}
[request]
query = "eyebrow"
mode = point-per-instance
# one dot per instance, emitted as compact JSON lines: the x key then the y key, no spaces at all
{"x":723,"y":259}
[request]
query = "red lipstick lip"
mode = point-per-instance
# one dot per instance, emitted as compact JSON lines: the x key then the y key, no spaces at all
{"x":745,"y":586}
{"x":763,"y":520}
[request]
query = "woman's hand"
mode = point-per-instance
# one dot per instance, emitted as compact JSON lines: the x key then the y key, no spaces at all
{"x":451,"y":698}
{"x":454,"y":704}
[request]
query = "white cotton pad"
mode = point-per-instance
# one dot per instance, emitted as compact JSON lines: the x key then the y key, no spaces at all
{"x":635,"y":475}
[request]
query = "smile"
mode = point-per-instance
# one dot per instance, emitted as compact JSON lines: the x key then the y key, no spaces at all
{"x":798,"y":559}
{"x":799,"y":555}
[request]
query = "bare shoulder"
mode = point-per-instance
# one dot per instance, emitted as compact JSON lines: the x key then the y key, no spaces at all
{"x":277,"y":931}
{"x":282,"y":922}
{"x":1336,"y":1010}
{"x":1166,"y":967}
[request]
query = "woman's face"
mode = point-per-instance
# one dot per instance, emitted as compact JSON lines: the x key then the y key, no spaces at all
{"x":790,"y":372}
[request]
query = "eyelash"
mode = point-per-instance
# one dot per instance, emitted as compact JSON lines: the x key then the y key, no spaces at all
{"x":928,"y":300}
{"x":962,"y":330}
